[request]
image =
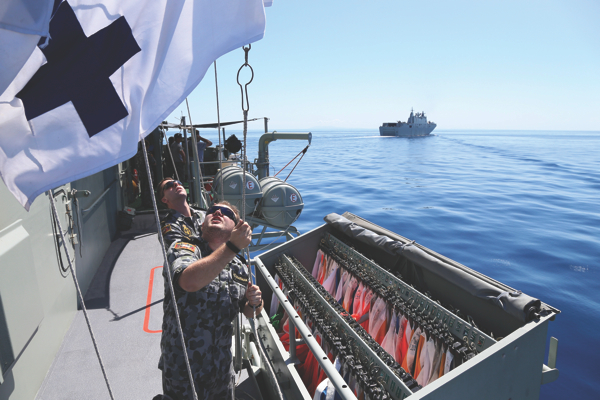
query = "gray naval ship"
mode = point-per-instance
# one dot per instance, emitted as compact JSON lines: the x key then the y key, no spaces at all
{"x":416,"y":125}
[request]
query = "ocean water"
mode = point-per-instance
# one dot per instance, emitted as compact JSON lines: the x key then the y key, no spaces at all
{"x":522,"y":207}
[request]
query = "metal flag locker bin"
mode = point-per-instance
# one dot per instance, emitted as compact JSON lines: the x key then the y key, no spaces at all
{"x":498,"y":333}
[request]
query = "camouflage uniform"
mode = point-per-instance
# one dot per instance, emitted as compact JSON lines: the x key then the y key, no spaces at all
{"x":177,"y":227}
{"x":206,"y":318}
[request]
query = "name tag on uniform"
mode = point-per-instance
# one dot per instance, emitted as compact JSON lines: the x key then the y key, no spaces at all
{"x":185,"y":246}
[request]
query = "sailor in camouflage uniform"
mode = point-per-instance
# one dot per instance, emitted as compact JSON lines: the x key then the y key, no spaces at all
{"x":182,"y":222}
{"x":211,"y":287}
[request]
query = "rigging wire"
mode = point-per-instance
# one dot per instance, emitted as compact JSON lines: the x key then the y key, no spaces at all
{"x":303,"y":152}
{"x":169,"y":278}
{"x":187,"y":172}
{"x":196,"y":157}
{"x":79,"y":295}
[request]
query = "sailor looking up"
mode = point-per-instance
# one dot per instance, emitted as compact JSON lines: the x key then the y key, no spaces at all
{"x":211,"y":285}
{"x":183,"y":222}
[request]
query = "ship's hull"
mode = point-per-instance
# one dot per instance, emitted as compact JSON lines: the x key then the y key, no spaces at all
{"x":407,"y":130}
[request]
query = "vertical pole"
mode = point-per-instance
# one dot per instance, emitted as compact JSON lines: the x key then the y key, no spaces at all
{"x":188,"y":172}
{"x":265,"y":171}
{"x":157,"y":142}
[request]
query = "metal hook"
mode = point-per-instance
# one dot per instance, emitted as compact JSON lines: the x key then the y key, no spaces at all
{"x":244,"y":89}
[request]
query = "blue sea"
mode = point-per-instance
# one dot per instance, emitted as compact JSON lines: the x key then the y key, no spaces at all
{"x":522,"y":207}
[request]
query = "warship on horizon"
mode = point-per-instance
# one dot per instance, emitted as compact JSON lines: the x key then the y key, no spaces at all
{"x":416,"y":125}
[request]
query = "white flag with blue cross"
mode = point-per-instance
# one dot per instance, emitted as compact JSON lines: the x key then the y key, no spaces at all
{"x":108,"y":73}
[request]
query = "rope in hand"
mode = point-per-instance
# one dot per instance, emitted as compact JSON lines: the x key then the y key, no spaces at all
{"x":245,"y":112}
{"x":245,"y":108}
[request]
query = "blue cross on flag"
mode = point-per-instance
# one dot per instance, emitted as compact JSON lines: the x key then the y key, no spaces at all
{"x":107,"y":74}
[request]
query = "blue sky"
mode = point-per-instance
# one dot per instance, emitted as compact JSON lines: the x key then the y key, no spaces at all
{"x":468,"y":64}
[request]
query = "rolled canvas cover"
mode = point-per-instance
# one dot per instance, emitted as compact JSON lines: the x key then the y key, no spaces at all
{"x":517,"y":304}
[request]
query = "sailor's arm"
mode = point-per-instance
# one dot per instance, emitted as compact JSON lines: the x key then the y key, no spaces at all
{"x":171,"y":232}
{"x":201,"y":272}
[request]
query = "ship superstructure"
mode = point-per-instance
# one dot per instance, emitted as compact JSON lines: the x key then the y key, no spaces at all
{"x":417,"y":125}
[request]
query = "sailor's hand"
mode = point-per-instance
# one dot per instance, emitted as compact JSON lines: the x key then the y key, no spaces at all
{"x":254,"y":295}
{"x":241,"y":236}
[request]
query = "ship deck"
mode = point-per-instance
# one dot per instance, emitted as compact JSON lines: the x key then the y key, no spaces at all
{"x":124,"y":304}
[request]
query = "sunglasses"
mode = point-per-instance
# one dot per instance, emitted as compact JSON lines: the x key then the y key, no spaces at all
{"x":228,"y":212}
{"x":170,"y":184}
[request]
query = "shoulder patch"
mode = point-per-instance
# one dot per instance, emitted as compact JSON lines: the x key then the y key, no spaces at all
{"x":185,"y":246}
{"x":239,"y":279}
{"x":166,"y":229}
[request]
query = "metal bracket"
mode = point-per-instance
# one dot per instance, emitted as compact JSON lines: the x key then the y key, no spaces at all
{"x":99,"y":197}
{"x":78,"y":193}
{"x":550,"y":372}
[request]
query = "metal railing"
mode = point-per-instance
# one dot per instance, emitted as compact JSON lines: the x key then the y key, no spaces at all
{"x":334,"y":376}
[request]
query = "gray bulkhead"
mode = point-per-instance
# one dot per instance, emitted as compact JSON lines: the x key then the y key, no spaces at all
{"x":38,"y":299}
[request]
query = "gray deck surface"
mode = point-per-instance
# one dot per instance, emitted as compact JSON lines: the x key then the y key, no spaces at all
{"x":129,"y":353}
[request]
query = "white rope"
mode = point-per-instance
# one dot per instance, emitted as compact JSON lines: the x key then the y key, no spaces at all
{"x":169,"y":278}
{"x":219,"y":133}
{"x":244,"y":164}
{"x":79,"y":295}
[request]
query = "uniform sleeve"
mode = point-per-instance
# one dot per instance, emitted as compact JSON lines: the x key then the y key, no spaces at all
{"x":171,"y":232}
{"x":180,"y":255}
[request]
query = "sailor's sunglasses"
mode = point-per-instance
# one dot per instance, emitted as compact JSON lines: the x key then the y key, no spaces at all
{"x":170,"y":184}
{"x":167,"y":186}
{"x":228,"y":212}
